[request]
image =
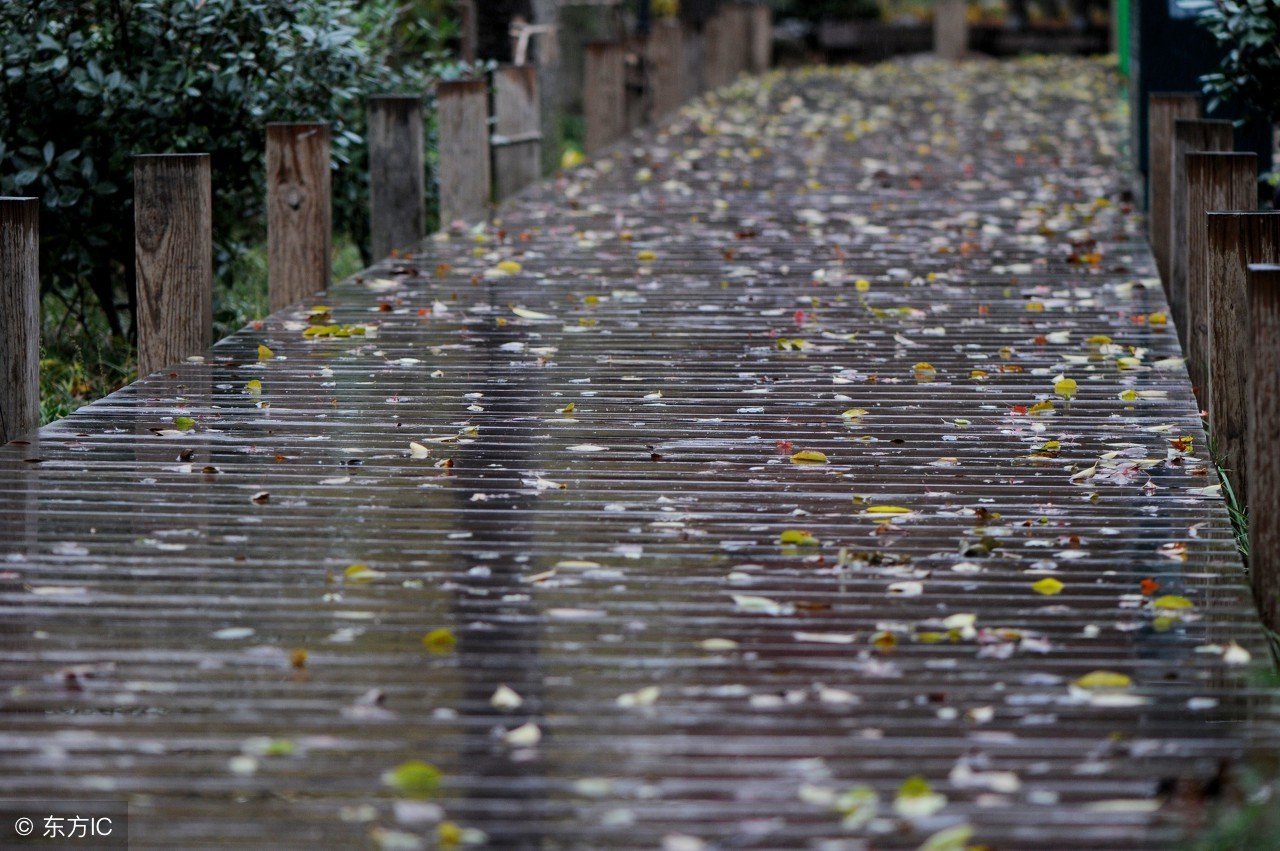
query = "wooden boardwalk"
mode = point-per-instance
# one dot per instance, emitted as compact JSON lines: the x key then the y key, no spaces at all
{"x":533,"y":508}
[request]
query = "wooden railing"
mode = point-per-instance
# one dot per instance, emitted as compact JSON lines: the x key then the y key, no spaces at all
{"x":1216,"y":254}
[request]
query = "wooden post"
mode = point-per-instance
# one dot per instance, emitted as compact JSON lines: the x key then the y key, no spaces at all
{"x":299,"y":212}
{"x":637,"y":88}
{"x":604,"y":100}
{"x":1236,"y":239}
{"x":19,"y":317}
{"x":950,"y":29}
{"x":1189,"y":135}
{"x":760,"y":38}
{"x":666,"y":67}
{"x":397,"y":180}
{"x":467,"y":29}
{"x":694,"y":70}
{"x":517,"y":129}
{"x":173,"y":253}
{"x":463,"y":142}
{"x":716,"y":46}
{"x":1264,"y":436}
{"x":1214,"y":182}
{"x":1163,"y":108}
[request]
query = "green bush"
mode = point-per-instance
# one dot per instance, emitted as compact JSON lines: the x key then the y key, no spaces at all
{"x":1249,"y":74}
{"x":87,"y":84}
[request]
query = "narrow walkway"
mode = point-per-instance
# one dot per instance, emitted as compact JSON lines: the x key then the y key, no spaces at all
{"x":819,"y":472}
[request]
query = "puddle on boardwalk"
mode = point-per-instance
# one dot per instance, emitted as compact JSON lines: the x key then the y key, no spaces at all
{"x":818,"y":472}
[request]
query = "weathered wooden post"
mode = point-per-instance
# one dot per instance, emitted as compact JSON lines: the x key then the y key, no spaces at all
{"x":694,"y":71}
{"x":1221,"y":181}
{"x":716,"y":46}
{"x":466,"y":183}
{"x":1264,"y":436}
{"x":19,"y":317}
{"x":604,"y":100}
{"x":517,"y":129}
{"x":950,"y":29}
{"x":1189,"y":135}
{"x":1236,"y":239}
{"x":760,"y":38}
{"x":1163,"y":108}
{"x":666,"y":67}
{"x":299,"y":212}
{"x":173,"y":240}
{"x":397,"y":180}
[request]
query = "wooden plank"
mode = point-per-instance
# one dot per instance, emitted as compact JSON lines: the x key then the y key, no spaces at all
{"x":1215,"y":181}
{"x":1189,"y":135}
{"x":1264,"y":436}
{"x":666,"y":64}
{"x":299,"y":212}
{"x":19,"y":317}
{"x":1163,"y":108}
{"x":604,"y":98}
{"x":760,"y":38}
{"x":517,"y":129}
{"x":463,"y":141}
{"x":1235,"y":239}
{"x":950,"y":29}
{"x":717,"y":40}
{"x":397,"y":173}
{"x":173,"y":238}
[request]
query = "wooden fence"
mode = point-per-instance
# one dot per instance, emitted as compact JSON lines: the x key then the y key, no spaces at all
{"x":1218,"y":258}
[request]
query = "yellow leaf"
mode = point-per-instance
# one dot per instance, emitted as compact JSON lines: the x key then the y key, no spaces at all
{"x":359,"y":574}
{"x":1047,"y":586}
{"x":253,"y":385}
{"x":1158,"y":319}
{"x":567,"y":409}
{"x":799,"y":537}
{"x":1065,"y":388}
{"x":809,"y":456}
{"x":1172,"y":601}
{"x":1129,"y":395}
{"x":1098,"y":340}
{"x":264,"y":353}
{"x":1040,"y":408}
{"x":511,"y":267}
{"x":862,"y":285}
{"x":854,"y":413}
{"x":646,"y":256}
{"x":888,"y":509}
{"x":414,"y":777}
{"x":1104,"y":680}
{"x":439,"y":641}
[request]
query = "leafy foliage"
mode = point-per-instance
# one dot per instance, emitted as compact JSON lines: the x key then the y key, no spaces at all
{"x":1249,"y":74}
{"x":85,"y":85}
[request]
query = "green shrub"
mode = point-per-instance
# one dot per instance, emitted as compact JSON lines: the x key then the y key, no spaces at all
{"x":1249,"y":74}
{"x":87,"y":84}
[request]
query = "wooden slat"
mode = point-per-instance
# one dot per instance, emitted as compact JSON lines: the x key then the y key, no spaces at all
{"x":463,"y":128}
{"x":950,"y":29}
{"x":173,"y":236}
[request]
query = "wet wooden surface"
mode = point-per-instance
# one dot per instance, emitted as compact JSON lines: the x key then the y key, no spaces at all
{"x":569,"y":440}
